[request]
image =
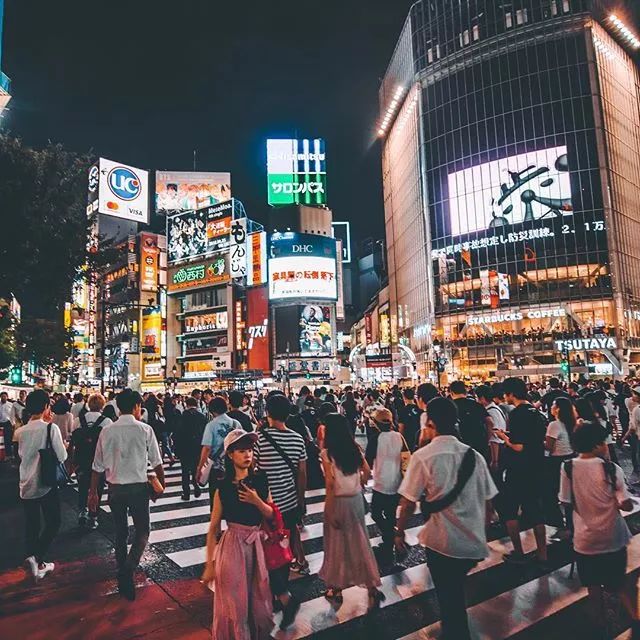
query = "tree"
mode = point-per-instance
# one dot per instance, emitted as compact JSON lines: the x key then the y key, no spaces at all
{"x":44,"y":224}
{"x":45,"y":343}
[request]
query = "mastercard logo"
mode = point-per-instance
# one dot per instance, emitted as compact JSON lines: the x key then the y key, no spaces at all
{"x":112,"y":205}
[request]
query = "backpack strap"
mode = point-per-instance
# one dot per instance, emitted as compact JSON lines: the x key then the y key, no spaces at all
{"x":83,"y":420}
{"x":465,"y":471}
{"x":610,"y":473}
{"x":99,"y":421}
{"x":568,"y":469}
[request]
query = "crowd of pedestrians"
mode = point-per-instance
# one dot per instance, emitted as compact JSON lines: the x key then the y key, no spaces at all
{"x":511,"y":454}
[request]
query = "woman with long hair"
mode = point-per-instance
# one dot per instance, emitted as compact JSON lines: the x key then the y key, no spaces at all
{"x":348,"y":557}
{"x":558,"y":445}
{"x":350,"y":411}
{"x":235,"y":561}
{"x":62,"y":416}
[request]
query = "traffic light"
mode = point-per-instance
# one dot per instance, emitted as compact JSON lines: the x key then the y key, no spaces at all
{"x":16,"y":375}
{"x":564,"y":367}
{"x":308,"y":376}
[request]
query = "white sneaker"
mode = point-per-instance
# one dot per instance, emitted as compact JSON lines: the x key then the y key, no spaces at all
{"x":32,"y":567}
{"x":47,"y":567}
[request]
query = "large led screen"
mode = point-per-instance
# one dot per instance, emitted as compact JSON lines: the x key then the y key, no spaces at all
{"x":315,"y":331}
{"x":302,"y":265}
{"x":296,"y":172}
{"x":197,"y":233}
{"x":522,"y":188}
{"x":178,"y":191}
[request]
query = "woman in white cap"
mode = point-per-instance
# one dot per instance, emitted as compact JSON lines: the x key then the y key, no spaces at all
{"x":235,"y":562}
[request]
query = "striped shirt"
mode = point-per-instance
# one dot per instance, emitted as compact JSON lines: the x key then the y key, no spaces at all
{"x":281,"y":479}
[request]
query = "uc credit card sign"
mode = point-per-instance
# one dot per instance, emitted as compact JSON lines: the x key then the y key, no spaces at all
{"x":123,"y":191}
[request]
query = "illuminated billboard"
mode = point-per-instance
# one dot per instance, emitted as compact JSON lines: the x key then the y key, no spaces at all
{"x":302,"y":265}
{"x":195,"y":276}
{"x":178,"y":191}
{"x":198,"y":233}
{"x":315,"y":331}
{"x":206,"y":322}
{"x":149,"y":256}
{"x":151,"y":330}
{"x":258,"y":329}
{"x":523,"y":188}
{"x":296,"y":172}
{"x":256,"y":258}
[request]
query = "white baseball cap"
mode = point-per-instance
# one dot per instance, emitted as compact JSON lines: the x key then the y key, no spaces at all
{"x":237,"y":434}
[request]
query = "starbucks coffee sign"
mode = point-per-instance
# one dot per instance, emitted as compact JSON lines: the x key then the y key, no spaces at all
{"x":587,"y":344}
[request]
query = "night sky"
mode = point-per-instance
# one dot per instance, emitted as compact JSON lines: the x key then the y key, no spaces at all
{"x":146,"y":82}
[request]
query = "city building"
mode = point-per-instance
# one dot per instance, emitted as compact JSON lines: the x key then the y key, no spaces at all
{"x":511,"y":172}
{"x":131,"y":316}
{"x":5,"y":83}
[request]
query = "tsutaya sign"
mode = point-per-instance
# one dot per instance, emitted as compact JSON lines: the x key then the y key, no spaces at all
{"x":514,"y":316}
{"x":587,"y":344}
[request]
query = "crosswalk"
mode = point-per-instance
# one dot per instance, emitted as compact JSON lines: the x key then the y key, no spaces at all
{"x":503,"y":601}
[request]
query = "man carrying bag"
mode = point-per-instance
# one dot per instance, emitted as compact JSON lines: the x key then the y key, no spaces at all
{"x":457,"y":486}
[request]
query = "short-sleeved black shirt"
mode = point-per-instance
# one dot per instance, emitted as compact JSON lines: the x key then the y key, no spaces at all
{"x":409,"y":416}
{"x":241,"y":512}
{"x":242,"y":418}
{"x":527,"y":427}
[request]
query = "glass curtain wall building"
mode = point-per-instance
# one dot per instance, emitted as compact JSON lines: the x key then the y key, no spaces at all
{"x":511,"y":171}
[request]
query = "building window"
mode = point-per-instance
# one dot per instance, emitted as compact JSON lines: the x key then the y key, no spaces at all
{"x":522,"y":16}
{"x":554,"y":8}
{"x":508,"y":19}
{"x":433,"y":53}
{"x":464,"y":38}
{"x":565,"y":6}
{"x":475,"y":32}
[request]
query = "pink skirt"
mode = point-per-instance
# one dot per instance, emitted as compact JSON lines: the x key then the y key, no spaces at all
{"x":348,"y":557}
{"x":242,"y":608}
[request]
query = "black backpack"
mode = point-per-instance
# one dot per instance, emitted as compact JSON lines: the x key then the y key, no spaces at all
{"x":85,"y":442}
{"x":473,"y":432}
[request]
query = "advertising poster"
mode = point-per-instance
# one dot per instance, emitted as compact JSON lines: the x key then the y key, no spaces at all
{"x":257,"y":259}
{"x":315,"y":331}
{"x":123,"y":191}
{"x":302,"y":265}
{"x":178,"y":191}
{"x":205,"y":346}
{"x":207,"y":369}
{"x":258,"y":329}
{"x":296,"y":172}
{"x":194,"y":276}
{"x":238,"y":249}
{"x":151,"y":330}
{"x":149,"y":256}
{"x":198,"y":233}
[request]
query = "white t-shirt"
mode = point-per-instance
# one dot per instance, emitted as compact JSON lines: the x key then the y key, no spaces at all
{"x":599,"y":527}
{"x":557,"y":430}
{"x":124,"y":449}
{"x":499,"y":420}
{"x":387,"y":474}
{"x":31,"y":438}
{"x":459,"y":530}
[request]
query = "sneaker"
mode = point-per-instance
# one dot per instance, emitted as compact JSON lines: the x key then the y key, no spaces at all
{"x":515,"y":558}
{"x":290,"y":612}
{"x":197,"y":492}
{"x":83,"y":517}
{"x":32,"y":566}
{"x":44,"y":569}
{"x":92,"y":524}
{"x":185,"y":497}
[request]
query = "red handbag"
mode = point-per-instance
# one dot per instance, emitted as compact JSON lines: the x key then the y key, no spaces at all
{"x":276,"y":541}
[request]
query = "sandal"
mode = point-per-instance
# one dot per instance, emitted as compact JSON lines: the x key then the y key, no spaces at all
{"x":302,"y":569}
{"x":334,"y":594}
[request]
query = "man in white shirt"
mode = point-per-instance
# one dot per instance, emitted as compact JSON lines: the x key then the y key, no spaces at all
{"x":76,"y":408}
{"x":37,"y":497}
{"x":122,"y":454}
{"x":454,"y":535}
{"x":6,"y":421}
{"x":596,"y":490}
{"x":485,"y":398}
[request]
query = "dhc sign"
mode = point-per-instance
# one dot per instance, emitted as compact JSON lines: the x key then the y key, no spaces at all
{"x":586,"y":344}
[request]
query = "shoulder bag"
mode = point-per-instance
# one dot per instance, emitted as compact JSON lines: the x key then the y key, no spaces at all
{"x":52,"y":471}
{"x":465,"y":471}
{"x":276,"y":541}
